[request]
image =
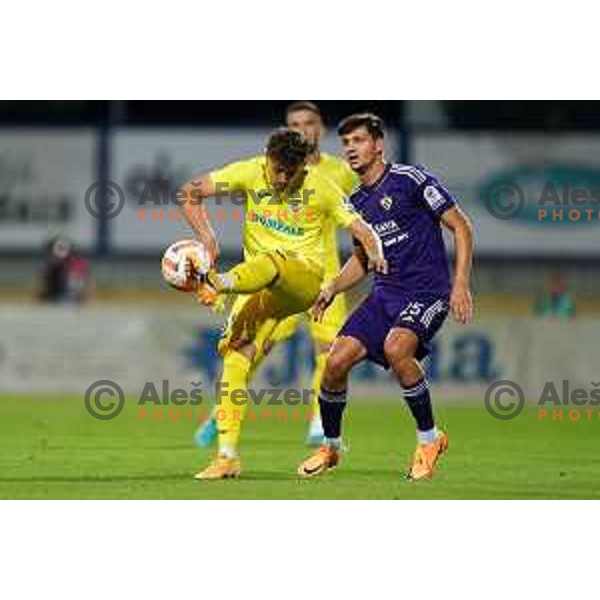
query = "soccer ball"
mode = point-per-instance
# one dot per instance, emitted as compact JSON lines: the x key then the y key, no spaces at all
{"x":174,"y":261}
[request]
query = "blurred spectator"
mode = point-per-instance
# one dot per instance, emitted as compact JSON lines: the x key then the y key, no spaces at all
{"x":65,"y":277}
{"x":556,"y":301}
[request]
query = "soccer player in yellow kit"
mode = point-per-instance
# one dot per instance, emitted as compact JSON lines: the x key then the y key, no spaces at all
{"x":306,"y":118}
{"x":287,"y":207}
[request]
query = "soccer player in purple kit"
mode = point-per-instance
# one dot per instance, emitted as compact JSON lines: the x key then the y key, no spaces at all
{"x":408,"y":304}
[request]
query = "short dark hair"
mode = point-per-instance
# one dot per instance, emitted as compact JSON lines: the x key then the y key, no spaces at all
{"x":372,"y":123}
{"x":303,"y":105}
{"x":288,"y":147}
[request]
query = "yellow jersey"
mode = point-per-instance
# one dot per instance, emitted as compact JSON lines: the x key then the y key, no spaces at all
{"x":305,"y":222}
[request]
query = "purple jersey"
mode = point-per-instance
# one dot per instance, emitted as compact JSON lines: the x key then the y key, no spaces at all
{"x":404,"y":207}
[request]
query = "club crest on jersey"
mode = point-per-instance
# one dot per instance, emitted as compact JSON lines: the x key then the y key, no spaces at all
{"x":386,"y":203}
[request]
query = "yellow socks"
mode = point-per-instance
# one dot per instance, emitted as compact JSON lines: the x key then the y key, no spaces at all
{"x":230,"y":409}
{"x":251,"y":275}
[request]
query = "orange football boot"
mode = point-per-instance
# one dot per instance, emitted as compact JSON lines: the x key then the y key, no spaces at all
{"x":426,"y":457}
{"x":204,"y":285}
{"x":221,"y":467}
{"x":208,"y":290}
{"x":323,"y":459}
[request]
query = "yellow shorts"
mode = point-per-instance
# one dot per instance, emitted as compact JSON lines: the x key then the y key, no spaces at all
{"x":324,"y":332}
{"x":254,"y":317}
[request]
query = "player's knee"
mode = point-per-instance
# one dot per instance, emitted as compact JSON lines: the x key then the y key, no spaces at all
{"x":336,"y":370}
{"x":399,"y":348}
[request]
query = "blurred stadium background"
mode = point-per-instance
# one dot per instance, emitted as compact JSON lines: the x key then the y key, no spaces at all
{"x":536,"y":286}
{"x":52,"y":152}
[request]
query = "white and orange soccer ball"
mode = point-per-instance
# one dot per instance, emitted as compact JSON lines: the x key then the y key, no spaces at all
{"x":174,"y":264}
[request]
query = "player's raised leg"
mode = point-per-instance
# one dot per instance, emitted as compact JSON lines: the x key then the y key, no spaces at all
{"x":345,"y":353}
{"x":400,"y":348}
{"x":246,"y":277}
{"x":248,"y":331}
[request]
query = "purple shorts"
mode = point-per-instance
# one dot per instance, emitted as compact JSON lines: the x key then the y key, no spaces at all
{"x":371,"y":322}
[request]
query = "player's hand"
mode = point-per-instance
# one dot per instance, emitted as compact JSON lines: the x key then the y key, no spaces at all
{"x":379,"y":265}
{"x":461,"y":303}
{"x":324,"y":299}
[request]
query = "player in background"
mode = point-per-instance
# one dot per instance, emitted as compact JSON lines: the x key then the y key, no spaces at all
{"x":306,"y":118}
{"x":407,"y":304}
{"x":286,"y":208}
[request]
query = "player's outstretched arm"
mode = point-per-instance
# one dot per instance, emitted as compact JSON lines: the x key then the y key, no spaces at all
{"x":354,"y":271}
{"x":368,"y":255}
{"x":195,"y":192}
{"x":461,"y":302}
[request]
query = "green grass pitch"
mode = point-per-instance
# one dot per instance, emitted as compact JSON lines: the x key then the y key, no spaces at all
{"x":52,"y":448}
